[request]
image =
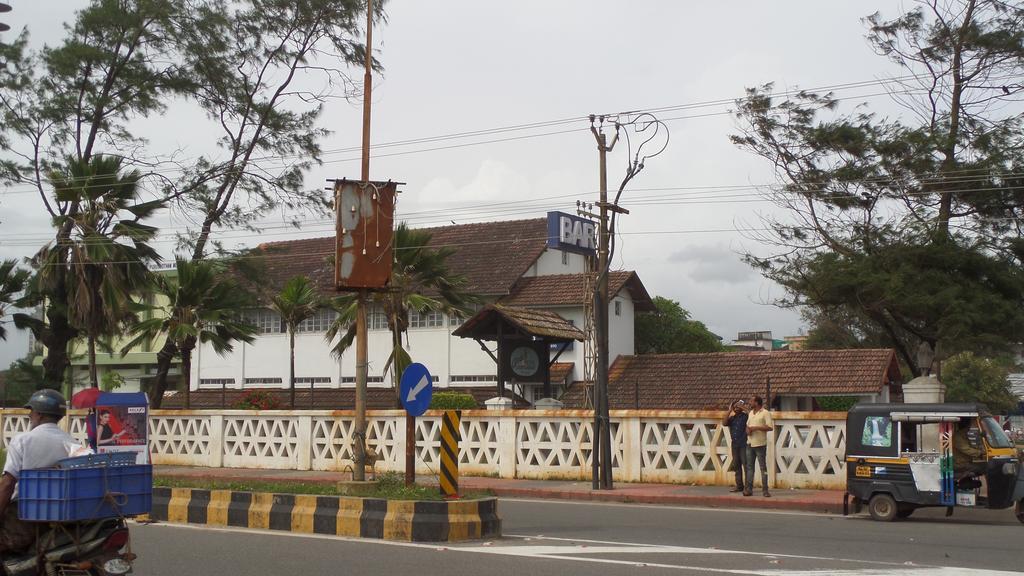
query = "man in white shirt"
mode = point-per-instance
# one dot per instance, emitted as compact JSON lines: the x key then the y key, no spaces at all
{"x":41,"y":447}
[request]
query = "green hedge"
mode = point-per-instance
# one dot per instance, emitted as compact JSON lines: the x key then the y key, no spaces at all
{"x":836,"y":403}
{"x":452,"y":401}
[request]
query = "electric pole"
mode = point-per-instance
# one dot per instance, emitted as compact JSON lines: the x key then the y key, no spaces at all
{"x":362,"y":360}
{"x":602,"y":448}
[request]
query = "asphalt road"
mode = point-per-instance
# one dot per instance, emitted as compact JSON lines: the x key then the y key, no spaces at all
{"x":562,"y":538}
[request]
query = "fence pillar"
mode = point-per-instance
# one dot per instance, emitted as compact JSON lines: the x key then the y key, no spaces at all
{"x":304,"y":448}
{"x":507,"y":448}
{"x":769,"y":459}
{"x":216,"y":455}
{"x":632,"y":451}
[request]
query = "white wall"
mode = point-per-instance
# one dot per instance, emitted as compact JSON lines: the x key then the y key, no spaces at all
{"x":550,"y":262}
{"x":621,"y":333}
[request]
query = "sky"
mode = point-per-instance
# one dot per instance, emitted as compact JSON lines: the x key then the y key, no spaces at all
{"x":454,"y":66}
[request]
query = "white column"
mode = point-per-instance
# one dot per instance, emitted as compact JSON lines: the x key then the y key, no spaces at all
{"x":305,"y":446}
{"x":632,"y":452}
{"x":507,"y":446}
{"x":216,"y":456}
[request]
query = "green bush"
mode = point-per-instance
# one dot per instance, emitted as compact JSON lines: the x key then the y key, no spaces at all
{"x":836,"y":403}
{"x":452,"y":401}
{"x":257,"y":400}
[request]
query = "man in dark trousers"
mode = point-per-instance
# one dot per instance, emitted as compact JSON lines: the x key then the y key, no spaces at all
{"x":736,"y":420}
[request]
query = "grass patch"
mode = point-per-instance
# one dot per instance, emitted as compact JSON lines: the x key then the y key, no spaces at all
{"x":391,"y":486}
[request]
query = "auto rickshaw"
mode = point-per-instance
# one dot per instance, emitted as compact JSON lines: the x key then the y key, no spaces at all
{"x":900,"y":457}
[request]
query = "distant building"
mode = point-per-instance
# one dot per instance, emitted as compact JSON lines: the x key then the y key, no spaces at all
{"x":763,"y":340}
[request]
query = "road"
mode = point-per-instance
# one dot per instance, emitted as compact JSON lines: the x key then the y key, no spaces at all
{"x":565,"y":538}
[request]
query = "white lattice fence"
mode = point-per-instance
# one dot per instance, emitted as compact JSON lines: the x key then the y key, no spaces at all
{"x":186,"y":440}
{"x":684,"y":451}
{"x":550,"y":446}
{"x":807,"y":449}
{"x":810,"y":454}
{"x":264,"y":441}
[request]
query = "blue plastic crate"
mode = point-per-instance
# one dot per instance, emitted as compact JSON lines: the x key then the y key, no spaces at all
{"x":105,"y":459}
{"x":72,"y":494}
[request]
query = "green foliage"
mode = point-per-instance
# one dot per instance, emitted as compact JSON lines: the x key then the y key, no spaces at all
{"x":900,"y":232}
{"x":21,"y":379}
{"x":111,"y":381}
{"x":670,"y":329}
{"x":257,"y":400}
{"x":452,"y":401}
{"x":12,"y":282}
{"x":836,"y":403}
{"x":970,"y":378}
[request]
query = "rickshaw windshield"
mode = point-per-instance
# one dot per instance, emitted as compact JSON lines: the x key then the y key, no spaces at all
{"x":994,"y":433}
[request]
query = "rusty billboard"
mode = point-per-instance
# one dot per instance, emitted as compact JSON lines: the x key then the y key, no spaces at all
{"x":364,"y":231}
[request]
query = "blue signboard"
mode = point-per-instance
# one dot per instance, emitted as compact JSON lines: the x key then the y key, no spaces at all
{"x":571,"y":233}
{"x":416,"y":389}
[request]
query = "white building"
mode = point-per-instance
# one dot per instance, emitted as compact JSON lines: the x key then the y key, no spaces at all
{"x":511,"y":262}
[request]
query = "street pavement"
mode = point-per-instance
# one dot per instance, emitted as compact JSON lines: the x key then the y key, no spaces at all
{"x":587,"y":538}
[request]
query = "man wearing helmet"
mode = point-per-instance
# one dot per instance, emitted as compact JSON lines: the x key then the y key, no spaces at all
{"x":41,"y":447}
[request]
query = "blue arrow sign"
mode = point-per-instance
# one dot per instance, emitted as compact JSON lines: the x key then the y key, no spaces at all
{"x":416,"y":389}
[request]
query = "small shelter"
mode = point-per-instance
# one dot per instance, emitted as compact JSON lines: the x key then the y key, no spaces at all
{"x":526,"y":339}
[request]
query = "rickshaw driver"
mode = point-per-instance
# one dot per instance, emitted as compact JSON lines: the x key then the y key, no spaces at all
{"x":966,"y":456}
{"x":41,"y":447}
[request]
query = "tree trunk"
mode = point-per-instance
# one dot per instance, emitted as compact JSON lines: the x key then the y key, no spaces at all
{"x":396,"y":343}
{"x":93,"y":380}
{"x":186,"y":375}
{"x":291,"y":366}
{"x":187,"y":346}
{"x":163,"y":365}
{"x":56,"y":338}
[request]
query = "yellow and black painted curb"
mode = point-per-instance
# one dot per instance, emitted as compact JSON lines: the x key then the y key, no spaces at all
{"x":404,"y":520}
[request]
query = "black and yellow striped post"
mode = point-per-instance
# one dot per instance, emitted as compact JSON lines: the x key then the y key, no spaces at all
{"x":450,"y":436}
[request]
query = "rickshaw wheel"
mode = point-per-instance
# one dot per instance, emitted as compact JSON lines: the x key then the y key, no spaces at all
{"x":1019,"y":509}
{"x":882,"y":507}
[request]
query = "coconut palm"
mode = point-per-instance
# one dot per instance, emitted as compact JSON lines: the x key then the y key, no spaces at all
{"x":297,"y":301}
{"x":106,"y":254}
{"x":12,"y":282}
{"x":200,"y":304}
{"x":420,"y":281}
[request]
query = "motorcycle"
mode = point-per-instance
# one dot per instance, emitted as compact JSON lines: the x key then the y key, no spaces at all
{"x":98,"y":548}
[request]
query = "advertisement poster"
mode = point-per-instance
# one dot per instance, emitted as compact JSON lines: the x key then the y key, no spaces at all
{"x":120,"y":428}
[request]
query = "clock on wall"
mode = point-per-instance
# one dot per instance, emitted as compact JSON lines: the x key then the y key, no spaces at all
{"x":525,"y":360}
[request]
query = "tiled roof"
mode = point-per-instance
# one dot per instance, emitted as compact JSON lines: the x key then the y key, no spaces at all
{"x":491,"y":255}
{"x":570,"y":290}
{"x":561,"y":371}
{"x":712,"y":381}
{"x":323,"y":398}
{"x":1017,"y":385}
{"x":541,"y":323}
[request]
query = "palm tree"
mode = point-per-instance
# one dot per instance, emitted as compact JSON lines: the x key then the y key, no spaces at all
{"x":297,"y":301}
{"x":201,"y":304}
{"x":12,"y":282}
{"x":420,"y":281}
{"x":107,"y":252}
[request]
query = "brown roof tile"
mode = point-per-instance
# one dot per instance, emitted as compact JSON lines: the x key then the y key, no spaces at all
{"x":491,"y":255}
{"x":541,"y":323}
{"x":561,"y":371}
{"x":570,"y":290}
{"x":712,"y":381}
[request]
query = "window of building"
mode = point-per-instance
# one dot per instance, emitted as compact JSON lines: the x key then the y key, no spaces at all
{"x":565,"y":258}
{"x":376,"y":319}
{"x":473,"y":378}
{"x":618,"y":308}
{"x":218,"y":382}
{"x":318,"y":322}
{"x":262,"y":381}
{"x":429,"y":319}
{"x":265,"y":321}
{"x":369,"y":379}
{"x":312,"y":380}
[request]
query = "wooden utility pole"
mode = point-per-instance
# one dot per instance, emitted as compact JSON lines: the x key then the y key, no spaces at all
{"x":362,"y":361}
{"x":602,"y":448}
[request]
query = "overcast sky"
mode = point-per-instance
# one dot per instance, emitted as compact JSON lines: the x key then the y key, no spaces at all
{"x":454,"y":66}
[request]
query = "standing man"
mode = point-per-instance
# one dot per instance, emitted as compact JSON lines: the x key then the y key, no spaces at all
{"x":736,"y":420}
{"x":759,"y":423}
{"x":41,"y":447}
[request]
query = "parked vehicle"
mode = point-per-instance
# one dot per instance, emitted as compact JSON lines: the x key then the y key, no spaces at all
{"x":900,"y":457}
{"x":98,"y":548}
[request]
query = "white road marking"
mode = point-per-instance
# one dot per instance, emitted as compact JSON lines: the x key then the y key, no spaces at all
{"x":575,"y":552}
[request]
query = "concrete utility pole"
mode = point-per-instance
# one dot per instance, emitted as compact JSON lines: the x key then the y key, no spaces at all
{"x":602,"y":448}
{"x":362,"y":360}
